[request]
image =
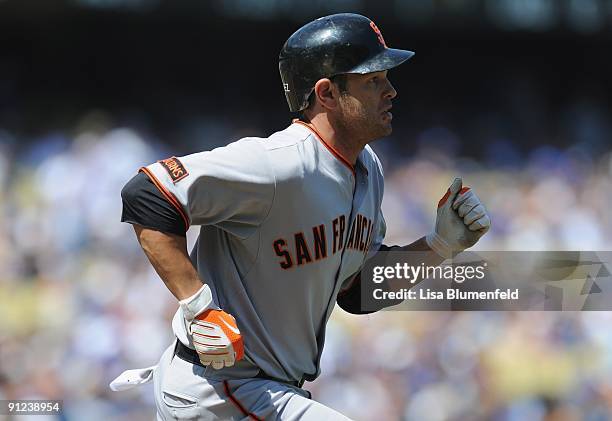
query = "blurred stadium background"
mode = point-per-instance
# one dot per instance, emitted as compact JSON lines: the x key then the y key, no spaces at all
{"x":512,"y":94}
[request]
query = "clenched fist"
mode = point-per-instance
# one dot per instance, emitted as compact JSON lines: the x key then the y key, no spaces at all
{"x":214,"y":332}
{"x":217,"y":339}
{"x":460,"y":222}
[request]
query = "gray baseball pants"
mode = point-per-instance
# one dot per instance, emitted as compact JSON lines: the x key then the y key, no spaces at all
{"x":183,"y":393}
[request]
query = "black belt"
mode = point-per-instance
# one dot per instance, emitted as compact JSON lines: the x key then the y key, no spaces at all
{"x":191,"y":356}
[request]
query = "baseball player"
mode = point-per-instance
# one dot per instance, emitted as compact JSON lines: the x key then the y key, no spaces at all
{"x":286,"y":224}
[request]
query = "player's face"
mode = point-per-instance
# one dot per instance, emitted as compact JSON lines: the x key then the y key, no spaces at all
{"x":366,"y":105}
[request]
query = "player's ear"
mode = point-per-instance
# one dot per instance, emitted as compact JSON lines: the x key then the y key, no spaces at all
{"x":326,"y":93}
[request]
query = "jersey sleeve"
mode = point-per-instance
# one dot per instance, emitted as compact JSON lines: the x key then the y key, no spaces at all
{"x":144,"y":204}
{"x":231,"y":187}
{"x":349,"y":299}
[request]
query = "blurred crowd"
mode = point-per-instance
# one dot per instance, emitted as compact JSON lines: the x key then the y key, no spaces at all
{"x":77,"y":295}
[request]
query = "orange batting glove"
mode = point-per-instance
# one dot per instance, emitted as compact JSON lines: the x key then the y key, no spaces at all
{"x":217,"y":339}
{"x":214,"y":333}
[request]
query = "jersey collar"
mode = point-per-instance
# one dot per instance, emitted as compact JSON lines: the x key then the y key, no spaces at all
{"x":333,"y":151}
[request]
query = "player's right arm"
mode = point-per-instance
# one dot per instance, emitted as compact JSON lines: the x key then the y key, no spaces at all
{"x":160,"y":231}
{"x":168,"y":255}
{"x":215,"y":188}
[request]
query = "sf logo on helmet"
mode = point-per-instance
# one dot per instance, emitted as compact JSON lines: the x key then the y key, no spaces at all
{"x":286,"y":86}
{"x":378,"y":34}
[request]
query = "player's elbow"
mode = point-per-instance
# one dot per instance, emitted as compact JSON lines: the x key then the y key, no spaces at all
{"x":351,"y":304}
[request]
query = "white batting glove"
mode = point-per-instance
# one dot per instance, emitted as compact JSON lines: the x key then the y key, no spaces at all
{"x":214,"y":333}
{"x":217,"y":339}
{"x":461,"y":221}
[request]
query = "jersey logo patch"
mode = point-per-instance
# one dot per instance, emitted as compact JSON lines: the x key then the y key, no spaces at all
{"x":174,"y":167}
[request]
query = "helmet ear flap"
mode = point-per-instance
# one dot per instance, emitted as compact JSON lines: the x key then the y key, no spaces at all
{"x":296,"y":89}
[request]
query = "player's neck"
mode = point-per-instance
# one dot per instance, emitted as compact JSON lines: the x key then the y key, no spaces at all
{"x":343,"y":143}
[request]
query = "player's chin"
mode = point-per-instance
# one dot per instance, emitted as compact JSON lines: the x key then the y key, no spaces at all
{"x":386,"y":125}
{"x":389,"y":128}
{"x":386,"y":128}
{"x":380,"y":132}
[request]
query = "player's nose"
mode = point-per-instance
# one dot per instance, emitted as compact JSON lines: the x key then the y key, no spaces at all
{"x":390,"y":91}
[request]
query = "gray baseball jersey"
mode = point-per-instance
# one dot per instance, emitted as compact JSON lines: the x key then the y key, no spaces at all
{"x":286,"y":222}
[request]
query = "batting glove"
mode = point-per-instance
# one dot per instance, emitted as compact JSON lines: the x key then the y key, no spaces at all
{"x":460,"y":222}
{"x":214,"y":333}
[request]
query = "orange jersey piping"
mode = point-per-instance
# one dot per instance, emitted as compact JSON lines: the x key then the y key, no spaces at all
{"x":169,"y":196}
{"x":238,"y":404}
{"x":327,"y":145}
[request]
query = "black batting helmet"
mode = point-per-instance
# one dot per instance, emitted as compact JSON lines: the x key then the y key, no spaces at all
{"x":332,"y":45}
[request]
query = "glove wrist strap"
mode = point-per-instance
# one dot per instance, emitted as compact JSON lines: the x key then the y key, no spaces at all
{"x":197,"y":304}
{"x":439,"y":246}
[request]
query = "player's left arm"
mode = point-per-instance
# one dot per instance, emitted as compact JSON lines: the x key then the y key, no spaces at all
{"x":349,"y":298}
{"x":461,"y":221}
